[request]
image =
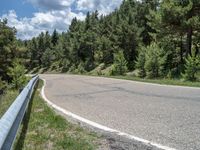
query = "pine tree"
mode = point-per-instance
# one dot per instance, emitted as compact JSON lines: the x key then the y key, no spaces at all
{"x":183,"y":20}
{"x":8,"y":48}
{"x":47,"y":41}
{"x":17,"y":73}
{"x":142,"y":19}
{"x":192,"y":66}
{"x":88,"y":21}
{"x":140,"y":63}
{"x":155,"y":60}
{"x":54,"y":38}
{"x":33,"y":46}
{"x":47,"y":58}
{"x":41,"y":48}
{"x":120,"y":64}
{"x":97,"y":39}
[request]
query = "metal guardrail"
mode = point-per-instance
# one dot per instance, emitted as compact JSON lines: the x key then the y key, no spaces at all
{"x":11,"y":120}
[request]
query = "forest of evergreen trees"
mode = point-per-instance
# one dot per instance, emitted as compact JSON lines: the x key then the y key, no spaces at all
{"x":152,"y":38}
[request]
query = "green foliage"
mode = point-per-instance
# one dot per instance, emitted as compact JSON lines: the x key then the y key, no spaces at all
{"x":155,"y":59}
{"x":98,"y":39}
{"x":120,"y":64}
{"x":151,"y":61}
{"x":174,"y":56}
{"x":55,"y":66}
{"x":66,"y":65}
{"x":47,"y":57}
{"x":192,"y":67}
{"x":89,"y":65}
{"x":8,"y":48}
{"x":141,"y":62}
{"x":81,"y":68}
{"x":2,"y":85}
{"x":182,"y":23}
{"x":72,"y":68}
{"x":17,"y":73}
{"x":54,"y":38}
{"x":93,"y":41}
{"x":98,"y":70}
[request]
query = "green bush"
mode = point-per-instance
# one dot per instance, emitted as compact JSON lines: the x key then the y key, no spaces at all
{"x":66,"y":65}
{"x":72,"y":68}
{"x":141,"y":62}
{"x":192,"y":66}
{"x":154,"y":61}
{"x":98,"y":69}
{"x":17,"y":73}
{"x":81,"y":68}
{"x":56,"y":66}
{"x":120,"y":64}
{"x":2,"y":85}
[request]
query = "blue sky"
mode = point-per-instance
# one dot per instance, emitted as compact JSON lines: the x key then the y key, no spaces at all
{"x":21,"y":7}
{"x":30,"y":17}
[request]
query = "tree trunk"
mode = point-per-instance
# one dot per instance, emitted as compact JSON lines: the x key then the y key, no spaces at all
{"x":189,"y":41}
{"x":181,"y":51}
{"x":196,"y":50}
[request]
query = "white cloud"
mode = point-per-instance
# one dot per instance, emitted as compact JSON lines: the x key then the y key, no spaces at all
{"x":24,"y":29}
{"x":103,"y":6}
{"x":56,"y":14}
{"x":55,"y":19}
{"x":41,"y":21}
{"x":52,"y":4}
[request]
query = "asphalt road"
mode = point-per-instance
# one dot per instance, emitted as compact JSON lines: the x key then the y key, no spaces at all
{"x":167,"y":115}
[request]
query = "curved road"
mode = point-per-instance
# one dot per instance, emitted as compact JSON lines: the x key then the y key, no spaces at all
{"x":168,"y":115}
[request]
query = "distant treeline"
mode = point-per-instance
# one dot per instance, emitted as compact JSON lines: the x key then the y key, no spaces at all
{"x":157,"y":38}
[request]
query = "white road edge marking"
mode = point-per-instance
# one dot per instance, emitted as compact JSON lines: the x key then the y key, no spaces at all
{"x":99,"y":126}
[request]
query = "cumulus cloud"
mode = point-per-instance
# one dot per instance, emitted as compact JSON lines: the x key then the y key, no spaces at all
{"x":41,"y":22}
{"x":24,"y":29}
{"x":52,"y":4}
{"x":103,"y":6}
{"x":56,"y":14}
{"x":55,"y":19}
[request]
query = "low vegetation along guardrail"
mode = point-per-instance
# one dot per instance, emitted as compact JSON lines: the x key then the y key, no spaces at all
{"x":11,"y":120}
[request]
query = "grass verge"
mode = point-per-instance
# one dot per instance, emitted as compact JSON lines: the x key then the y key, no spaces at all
{"x":159,"y":81}
{"x":6,"y":100}
{"x":44,"y":129}
{"x":163,"y":81}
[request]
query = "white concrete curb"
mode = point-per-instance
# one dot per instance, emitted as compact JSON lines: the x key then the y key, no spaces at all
{"x":99,"y":126}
